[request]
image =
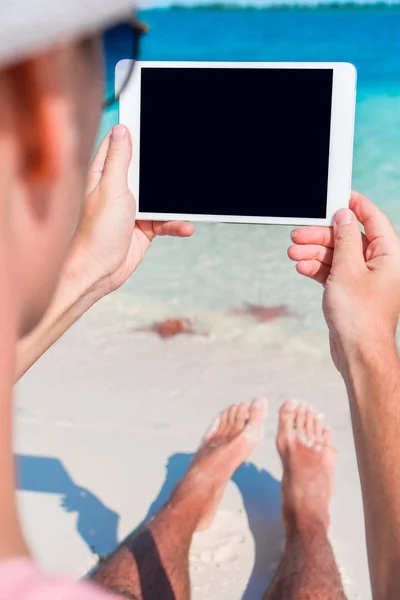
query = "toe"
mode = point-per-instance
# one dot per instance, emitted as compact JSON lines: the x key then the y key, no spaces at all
{"x":309,"y":427}
{"x":300,"y":423}
{"x":233,"y":410}
{"x":241,"y":417}
{"x":223,"y":427}
{"x":319,"y":427}
{"x":256,"y":413}
{"x":212,"y":430}
{"x":254,"y":427}
{"x":287,"y":415}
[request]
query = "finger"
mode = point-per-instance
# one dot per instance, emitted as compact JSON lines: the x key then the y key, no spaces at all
{"x":118,"y":159}
{"x":376,"y":223}
{"x":311,"y":252}
{"x":97,"y":166}
{"x":151,"y":229}
{"x":313,"y":269}
{"x":173,"y":228}
{"x":348,"y":252}
{"x":320,"y":236}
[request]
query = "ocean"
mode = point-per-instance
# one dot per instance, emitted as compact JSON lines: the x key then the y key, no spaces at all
{"x":224,"y":267}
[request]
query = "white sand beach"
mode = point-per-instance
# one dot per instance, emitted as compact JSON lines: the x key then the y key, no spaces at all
{"x":107,"y":422}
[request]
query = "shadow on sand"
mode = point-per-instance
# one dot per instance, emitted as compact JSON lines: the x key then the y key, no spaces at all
{"x":262,"y":502}
{"x":98,"y":525}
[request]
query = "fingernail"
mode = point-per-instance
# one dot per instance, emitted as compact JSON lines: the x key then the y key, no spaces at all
{"x":320,"y":417}
{"x":293,"y":234}
{"x":118,"y":134}
{"x":344,"y":216}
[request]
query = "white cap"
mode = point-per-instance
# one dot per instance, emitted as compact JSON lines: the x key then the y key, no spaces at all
{"x":30,"y":26}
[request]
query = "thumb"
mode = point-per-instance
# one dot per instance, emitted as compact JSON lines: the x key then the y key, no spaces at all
{"x":348,"y":248}
{"x":118,"y":159}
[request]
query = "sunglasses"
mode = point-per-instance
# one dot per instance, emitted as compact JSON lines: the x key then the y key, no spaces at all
{"x":119,"y":43}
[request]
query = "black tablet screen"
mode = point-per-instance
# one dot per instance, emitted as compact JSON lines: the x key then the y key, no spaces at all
{"x":246,"y":142}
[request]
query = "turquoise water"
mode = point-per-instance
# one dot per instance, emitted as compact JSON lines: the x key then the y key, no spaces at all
{"x":369,"y":38}
{"x":225,"y":266}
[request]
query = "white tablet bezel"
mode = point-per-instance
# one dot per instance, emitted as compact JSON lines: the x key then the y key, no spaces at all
{"x":341,"y":141}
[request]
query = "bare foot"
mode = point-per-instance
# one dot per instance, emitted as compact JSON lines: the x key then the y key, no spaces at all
{"x":308,"y":459}
{"x":233,"y":436}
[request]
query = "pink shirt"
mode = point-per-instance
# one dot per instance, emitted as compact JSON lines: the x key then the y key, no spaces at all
{"x":21,"y":579}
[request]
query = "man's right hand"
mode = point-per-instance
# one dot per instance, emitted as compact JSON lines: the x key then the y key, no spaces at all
{"x":360,"y":273}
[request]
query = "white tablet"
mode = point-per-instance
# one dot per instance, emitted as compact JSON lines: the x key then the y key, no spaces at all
{"x":240,"y":142}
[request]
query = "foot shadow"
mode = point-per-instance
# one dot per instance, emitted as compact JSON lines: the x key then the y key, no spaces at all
{"x":261,"y":494}
{"x":176,"y":467}
{"x":96,"y":524}
{"x":262,"y":502}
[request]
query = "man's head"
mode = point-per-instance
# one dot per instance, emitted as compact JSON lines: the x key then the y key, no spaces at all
{"x":51,"y":98}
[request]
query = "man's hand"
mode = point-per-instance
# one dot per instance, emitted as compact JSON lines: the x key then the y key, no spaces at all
{"x":360,"y":273}
{"x":107,"y":248}
{"x":110,"y":244}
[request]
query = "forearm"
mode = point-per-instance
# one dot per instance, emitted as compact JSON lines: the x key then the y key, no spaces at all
{"x":76,"y":293}
{"x":373,"y":384}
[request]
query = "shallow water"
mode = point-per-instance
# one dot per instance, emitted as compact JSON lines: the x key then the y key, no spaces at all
{"x":225,"y":266}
